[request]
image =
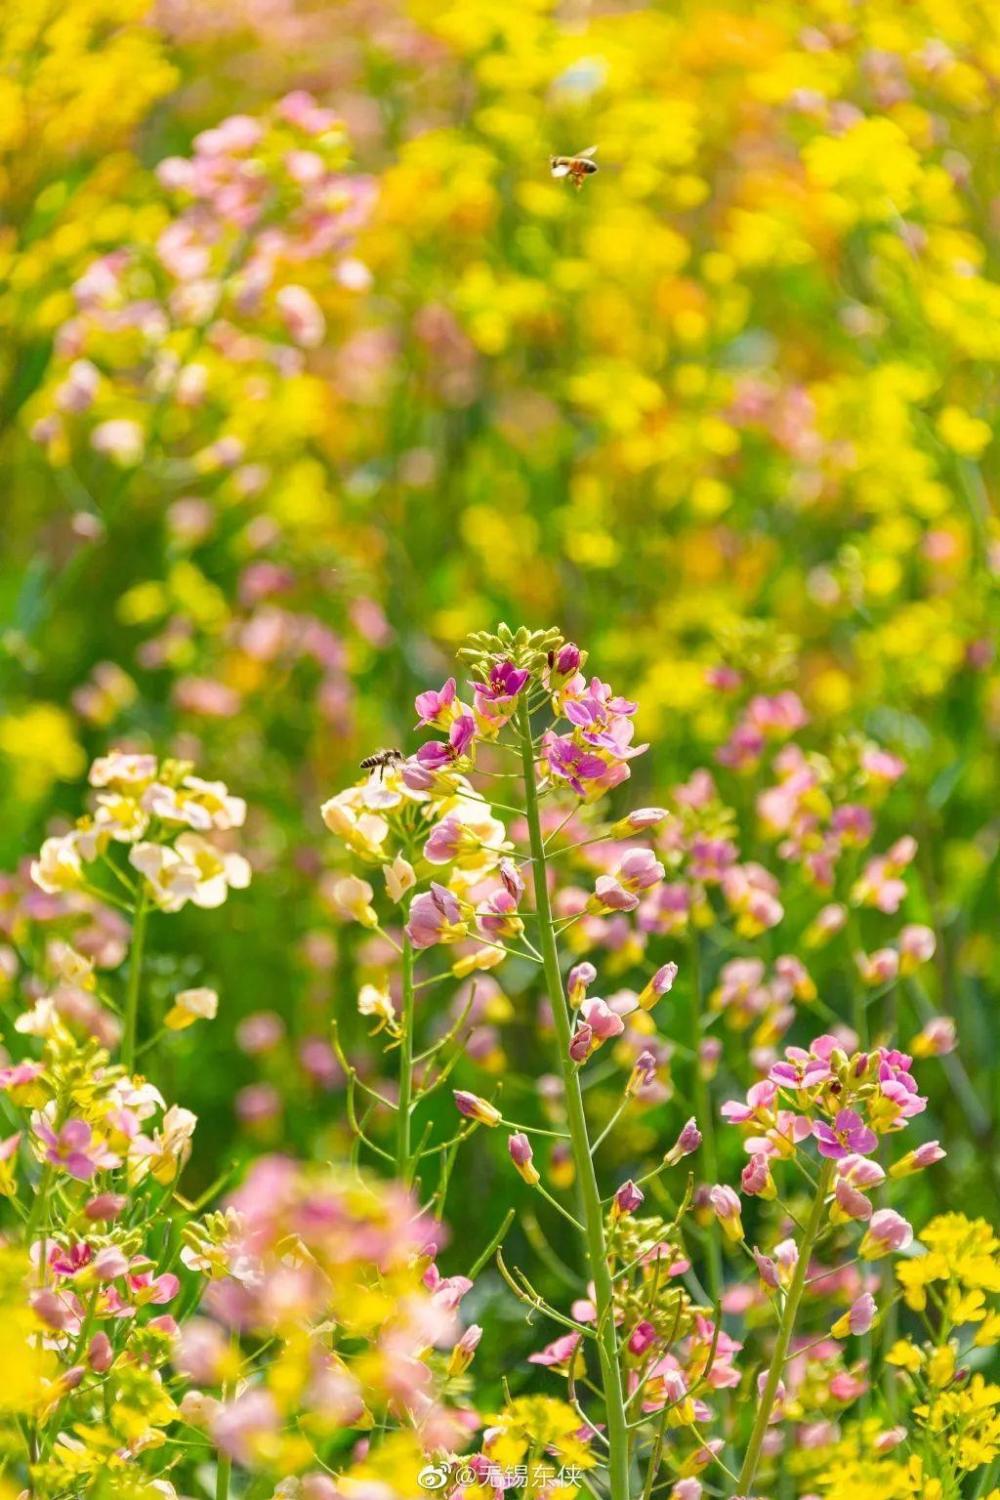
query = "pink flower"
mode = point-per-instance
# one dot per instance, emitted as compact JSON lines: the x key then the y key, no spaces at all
{"x":106,"y":1206}
{"x":435,"y":917}
{"x":302,"y":316}
{"x":601,"y":1019}
{"x":916,"y":947}
{"x":559,"y":1352}
{"x":74,"y":1148}
{"x":756,"y":1179}
{"x":240,"y":1427}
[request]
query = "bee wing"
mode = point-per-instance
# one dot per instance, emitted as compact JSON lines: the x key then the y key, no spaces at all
{"x":590,"y":151}
{"x":560,"y":169}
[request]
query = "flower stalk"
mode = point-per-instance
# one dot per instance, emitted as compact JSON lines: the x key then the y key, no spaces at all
{"x":590,"y":1201}
{"x":785,"y":1328}
{"x":405,"y":1064}
{"x":134,"y":983}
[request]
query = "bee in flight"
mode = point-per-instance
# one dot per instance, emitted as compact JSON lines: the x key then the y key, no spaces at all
{"x":382,"y":761}
{"x":576,"y":168}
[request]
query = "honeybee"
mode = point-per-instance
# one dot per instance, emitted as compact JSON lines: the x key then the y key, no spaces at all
{"x":576,"y":168}
{"x":382,"y":761}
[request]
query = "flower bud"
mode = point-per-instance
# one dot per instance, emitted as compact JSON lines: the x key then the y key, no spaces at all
{"x":462,"y":1353}
{"x":578,"y":981}
{"x":100,"y":1354}
{"x":522,"y":1156}
{"x":858,"y":1319}
{"x":726,"y":1207}
{"x":106,"y":1206}
{"x":661,"y":982}
{"x":915,"y":1161}
{"x":756,"y":1179}
{"x":627,"y":1199}
{"x":688,"y":1141}
{"x":887,"y":1233}
{"x":638,"y":821}
{"x":475,"y":1108}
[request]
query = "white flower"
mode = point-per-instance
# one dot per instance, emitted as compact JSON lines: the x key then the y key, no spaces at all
{"x":123,"y":772}
{"x":400,"y":877}
{"x":198,"y":804}
{"x":192,"y":1005}
{"x":193,"y":870}
{"x":215,"y":870}
{"x":363,"y":832}
{"x":120,"y":817}
{"x":171,"y":880}
{"x":58,"y":866}
{"x":351,"y":899}
{"x":41,"y":1020}
{"x":377,"y":1002}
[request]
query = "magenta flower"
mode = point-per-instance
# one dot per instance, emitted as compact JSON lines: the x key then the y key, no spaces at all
{"x":496,"y":699}
{"x":436,"y":755}
{"x":568,"y":659}
{"x":642,"y":1337}
{"x":434,"y":707}
{"x":505,"y":682}
{"x":568,"y":762}
{"x":848,"y":1134}
{"x":628,"y":1198}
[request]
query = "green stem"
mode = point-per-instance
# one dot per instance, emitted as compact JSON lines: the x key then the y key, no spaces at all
{"x":134,"y":983}
{"x":590,"y":1199}
{"x":405,"y":1065}
{"x":702,"y":1099}
{"x":224,"y":1469}
{"x":785,"y":1328}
